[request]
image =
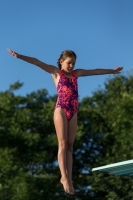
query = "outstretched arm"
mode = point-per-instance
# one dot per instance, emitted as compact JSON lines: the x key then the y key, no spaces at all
{"x":48,"y":68}
{"x":83,"y":72}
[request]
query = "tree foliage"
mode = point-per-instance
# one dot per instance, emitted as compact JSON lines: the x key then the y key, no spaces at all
{"x":28,"y":144}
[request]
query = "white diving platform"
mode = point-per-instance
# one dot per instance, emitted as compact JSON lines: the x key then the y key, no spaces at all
{"x":124,"y":168}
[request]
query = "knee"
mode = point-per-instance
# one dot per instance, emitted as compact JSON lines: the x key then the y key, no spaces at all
{"x":70,"y":147}
{"x":63,"y":145}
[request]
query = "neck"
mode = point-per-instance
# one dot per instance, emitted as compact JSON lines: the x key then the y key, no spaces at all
{"x":66,"y":71}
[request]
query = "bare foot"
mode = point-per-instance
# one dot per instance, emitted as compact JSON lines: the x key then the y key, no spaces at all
{"x":67,"y":186}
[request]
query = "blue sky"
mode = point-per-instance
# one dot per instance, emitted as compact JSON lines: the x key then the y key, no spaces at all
{"x":99,"y":31}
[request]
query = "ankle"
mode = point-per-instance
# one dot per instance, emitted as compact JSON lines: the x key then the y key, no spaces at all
{"x":63,"y":178}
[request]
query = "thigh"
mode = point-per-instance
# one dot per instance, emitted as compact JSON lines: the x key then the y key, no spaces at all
{"x":72,"y":127}
{"x":61,"y":124}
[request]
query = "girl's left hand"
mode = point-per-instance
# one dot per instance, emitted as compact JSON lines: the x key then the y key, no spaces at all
{"x":117,"y":70}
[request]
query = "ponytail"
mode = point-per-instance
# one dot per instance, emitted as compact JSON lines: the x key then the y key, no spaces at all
{"x":58,"y":64}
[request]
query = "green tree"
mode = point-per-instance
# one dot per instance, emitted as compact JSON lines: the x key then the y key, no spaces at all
{"x":107,"y":123}
{"x":28,"y":144}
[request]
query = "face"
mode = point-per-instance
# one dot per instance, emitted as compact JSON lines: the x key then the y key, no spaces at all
{"x":68,"y":64}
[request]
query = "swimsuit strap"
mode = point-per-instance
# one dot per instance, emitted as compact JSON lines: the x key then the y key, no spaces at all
{"x":73,"y":73}
{"x":61,"y":72}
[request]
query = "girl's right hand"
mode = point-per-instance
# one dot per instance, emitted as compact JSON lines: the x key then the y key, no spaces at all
{"x":14,"y":54}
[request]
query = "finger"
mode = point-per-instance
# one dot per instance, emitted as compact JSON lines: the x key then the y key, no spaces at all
{"x":120,"y":68}
{"x":10,"y":51}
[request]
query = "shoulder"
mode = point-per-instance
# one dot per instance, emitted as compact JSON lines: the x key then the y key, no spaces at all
{"x":77,"y":72}
{"x":55,"y":70}
{"x":56,"y":74}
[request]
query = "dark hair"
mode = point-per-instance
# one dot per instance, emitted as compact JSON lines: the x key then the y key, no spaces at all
{"x":64,"y":55}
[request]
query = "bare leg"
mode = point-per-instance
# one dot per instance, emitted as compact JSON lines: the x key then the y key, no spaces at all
{"x":72,"y":126}
{"x":61,"y":126}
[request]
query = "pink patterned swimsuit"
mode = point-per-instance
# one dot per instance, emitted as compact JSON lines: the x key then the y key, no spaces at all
{"x":67,"y":90}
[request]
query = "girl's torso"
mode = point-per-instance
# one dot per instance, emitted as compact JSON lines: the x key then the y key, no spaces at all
{"x":67,"y":89}
{"x":68,"y":83}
